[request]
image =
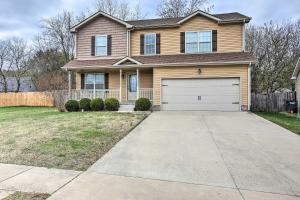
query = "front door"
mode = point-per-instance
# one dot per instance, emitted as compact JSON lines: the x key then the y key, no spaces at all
{"x":132,"y":87}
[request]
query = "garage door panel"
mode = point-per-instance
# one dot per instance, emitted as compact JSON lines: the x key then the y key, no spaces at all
{"x":228,"y":99}
{"x":227,"y":90}
{"x":204,"y":107}
{"x":203,"y":82}
{"x":201,"y":94}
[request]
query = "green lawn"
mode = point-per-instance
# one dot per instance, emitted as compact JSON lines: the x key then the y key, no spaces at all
{"x":45,"y":137}
{"x":286,"y":120}
{"x":27,"y":196}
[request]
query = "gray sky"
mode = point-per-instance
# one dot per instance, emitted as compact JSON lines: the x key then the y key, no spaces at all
{"x":22,"y":17}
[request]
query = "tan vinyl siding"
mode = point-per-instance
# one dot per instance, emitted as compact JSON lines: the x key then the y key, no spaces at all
{"x":101,"y":26}
{"x":229,"y":36}
{"x":146,"y":81}
{"x":211,"y":71}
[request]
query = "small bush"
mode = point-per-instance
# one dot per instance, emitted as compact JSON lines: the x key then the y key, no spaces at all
{"x":72,"y":106}
{"x":97,"y":104}
{"x":85,"y":104}
{"x":111,"y":104}
{"x":142,"y":104}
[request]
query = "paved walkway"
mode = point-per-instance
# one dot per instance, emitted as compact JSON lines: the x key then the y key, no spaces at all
{"x":33,"y":179}
{"x":196,"y":155}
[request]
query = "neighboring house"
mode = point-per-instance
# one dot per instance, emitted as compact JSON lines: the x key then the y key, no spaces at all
{"x":196,"y":62}
{"x":26,"y":85}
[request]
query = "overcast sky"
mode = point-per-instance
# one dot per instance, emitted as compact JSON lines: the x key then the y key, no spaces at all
{"x":22,"y":17}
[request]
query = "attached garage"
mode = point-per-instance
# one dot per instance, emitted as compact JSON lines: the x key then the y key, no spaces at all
{"x":210,"y":94}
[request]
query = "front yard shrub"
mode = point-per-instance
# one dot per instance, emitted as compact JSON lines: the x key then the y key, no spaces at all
{"x":142,"y":104}
{"x":84,"y":104}
{"x":111,"y":104}
{"x":97,"y":104}
{"x":72,"y":106}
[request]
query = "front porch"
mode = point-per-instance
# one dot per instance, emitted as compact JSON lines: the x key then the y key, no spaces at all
{"x":126,"y":85}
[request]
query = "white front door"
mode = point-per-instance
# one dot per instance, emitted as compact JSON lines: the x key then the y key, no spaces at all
{"x":131,"y":87}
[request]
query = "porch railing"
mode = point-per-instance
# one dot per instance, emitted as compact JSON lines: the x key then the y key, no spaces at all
{"x":146,"y":93}
{"x":107,"y":93}
{"x":103,"y":94}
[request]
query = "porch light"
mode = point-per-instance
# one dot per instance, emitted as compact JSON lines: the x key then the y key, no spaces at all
{"x":199,"y":71}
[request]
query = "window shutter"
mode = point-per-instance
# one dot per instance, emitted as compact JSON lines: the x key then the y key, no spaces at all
{"x":157,"y":43}
{"x":109,"y":45}
{"x":93,"y":46}
{"x":82,"y":81}
{"x":214,"y":40}
{"x":182,"y":42}
{"x":106,"y":80}
{"x":142,"y":37}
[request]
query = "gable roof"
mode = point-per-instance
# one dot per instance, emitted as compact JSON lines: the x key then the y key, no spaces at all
{"x":234,"y":17}
{"x":126,"y":60}
{"x":95,"y":15}
{"x":297,"y":70}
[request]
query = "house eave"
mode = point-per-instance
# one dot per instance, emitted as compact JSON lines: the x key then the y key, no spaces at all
{"x":154,"y":65}
{"x":75,"y":27}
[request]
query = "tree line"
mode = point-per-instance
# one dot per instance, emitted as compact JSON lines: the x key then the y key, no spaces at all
{"x":276,"y":46}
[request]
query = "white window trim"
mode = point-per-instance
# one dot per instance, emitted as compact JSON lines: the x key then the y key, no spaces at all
{"x":101,"y":46}
{"x":148,"y":45}
{"x":94,"y":83}
{"x":199,"y":31}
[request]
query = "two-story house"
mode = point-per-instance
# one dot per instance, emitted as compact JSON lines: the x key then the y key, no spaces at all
{"x":196,"y":62}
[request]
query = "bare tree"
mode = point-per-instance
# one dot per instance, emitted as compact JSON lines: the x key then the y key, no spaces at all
{"x":18,"y":57}
{"x":120,"y":9}
{"x":181,"y":8}
{"x":56,"y":33}
{"x":3,"y":66}
{"x":277,"y":48}
{"x":138,"y":13}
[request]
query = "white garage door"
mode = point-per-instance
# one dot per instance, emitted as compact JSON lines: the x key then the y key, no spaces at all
{"x":219,"y":94}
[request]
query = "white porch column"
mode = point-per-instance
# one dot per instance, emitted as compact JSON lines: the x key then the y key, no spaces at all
{"x":69,"y":83}
{"x":120,"y":87}
{"x":94,"y":89}
{"x":137,"y":83}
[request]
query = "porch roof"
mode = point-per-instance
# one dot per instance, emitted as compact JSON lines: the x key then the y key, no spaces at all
{"x":165,"y":60}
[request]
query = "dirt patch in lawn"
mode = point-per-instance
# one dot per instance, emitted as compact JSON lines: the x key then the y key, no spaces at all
{"x":47,"y":138}
{"x":27,"y":196}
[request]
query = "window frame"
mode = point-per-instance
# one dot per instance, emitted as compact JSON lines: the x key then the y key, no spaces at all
{"x":198,"y":41}
{"x":106,"y":46}
{"x":145,"y":45}
{"x":94,"y":82}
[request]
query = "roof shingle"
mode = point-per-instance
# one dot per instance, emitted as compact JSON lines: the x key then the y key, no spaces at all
{"x":218,"y":58}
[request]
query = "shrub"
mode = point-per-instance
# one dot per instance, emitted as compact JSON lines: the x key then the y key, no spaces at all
{"x":111,"y":104}
{"x":85,"y":104}
{"x":97,"y":104}
{"x":142,"y":104}
{"x":72,"y":106}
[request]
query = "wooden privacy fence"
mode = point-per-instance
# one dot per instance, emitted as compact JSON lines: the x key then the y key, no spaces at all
{"x":273,"y":102}
{"x":26,"y":99}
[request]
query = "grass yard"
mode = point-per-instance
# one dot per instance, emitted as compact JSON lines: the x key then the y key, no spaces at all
{"x":286,"y":120}
{"x":27,"y":196}
{"x":47,"y":138}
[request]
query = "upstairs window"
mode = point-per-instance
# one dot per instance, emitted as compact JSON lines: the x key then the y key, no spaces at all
{"x":94,"y":81}
{"x":150,"y":43}
{"x":198,"y":42}
{"x":101,"y":45}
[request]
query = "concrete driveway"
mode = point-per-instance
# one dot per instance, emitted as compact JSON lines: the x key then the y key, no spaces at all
{"x":196,"y":155}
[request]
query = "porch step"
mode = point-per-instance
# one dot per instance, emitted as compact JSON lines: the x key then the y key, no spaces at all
{"x":126,"y":107}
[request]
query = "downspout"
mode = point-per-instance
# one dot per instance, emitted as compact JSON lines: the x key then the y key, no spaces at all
{"x":249,"y":86}
{"x":244,"y":36}
{"x":128,"y":43}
